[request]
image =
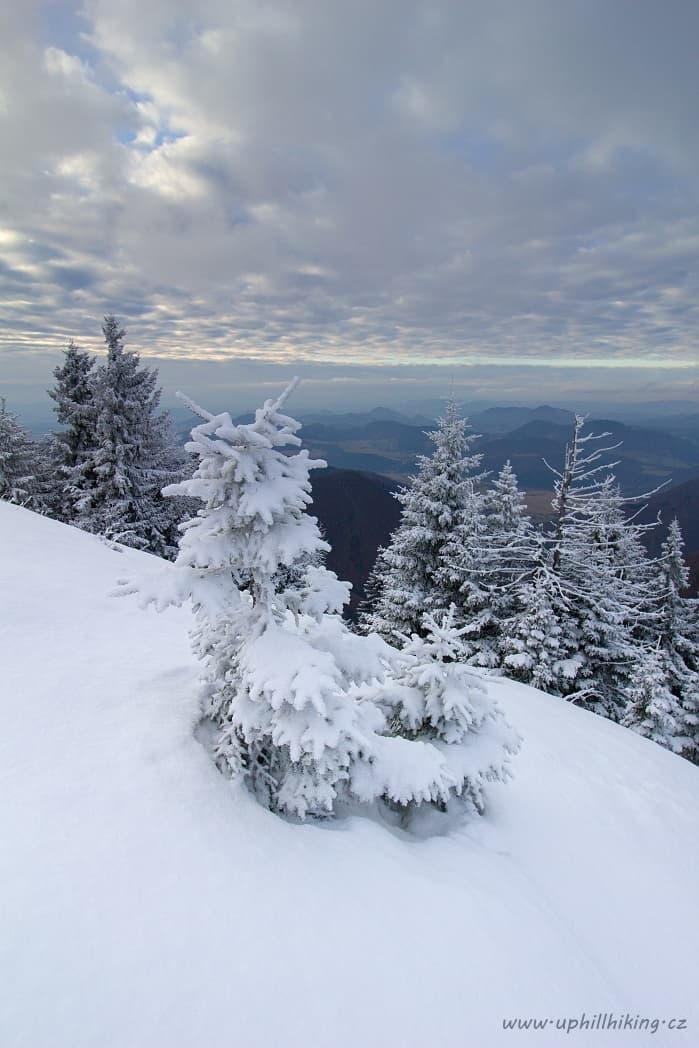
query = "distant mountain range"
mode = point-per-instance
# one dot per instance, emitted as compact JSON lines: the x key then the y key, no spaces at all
{"x":483,"y":420}
{"x":680,"y":425}
{"x":504,"y":420}
{"x":647,"y":457}
{"x":352,"y":419}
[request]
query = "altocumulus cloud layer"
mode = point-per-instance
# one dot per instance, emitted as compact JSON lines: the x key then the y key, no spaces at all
{"x":496,"y":184}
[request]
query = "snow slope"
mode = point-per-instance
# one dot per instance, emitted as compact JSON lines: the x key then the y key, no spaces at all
{"x":146,"y":901}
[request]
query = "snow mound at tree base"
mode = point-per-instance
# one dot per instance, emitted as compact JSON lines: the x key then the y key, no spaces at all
{"x":146,"y":901}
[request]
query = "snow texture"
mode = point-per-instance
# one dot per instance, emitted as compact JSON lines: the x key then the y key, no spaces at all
{"x":147,"y":901}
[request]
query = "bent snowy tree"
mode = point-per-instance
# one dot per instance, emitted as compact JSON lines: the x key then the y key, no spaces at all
{"x":284,"y":677}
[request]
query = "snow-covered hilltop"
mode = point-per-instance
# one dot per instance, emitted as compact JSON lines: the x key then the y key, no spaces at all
{"x":148,"y":901}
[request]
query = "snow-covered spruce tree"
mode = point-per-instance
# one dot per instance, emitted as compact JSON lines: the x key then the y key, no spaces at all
{"x":118,"y":481}
{"x":652,"y":709}
{"x":603,"y":573}
{"x":502,"y":562}
{"x":21,"y":465}
{"x":73,"y":395}
{"x":275,"y":693}
{"x":463,"y":575}
{"x":594,"y":582}
{"x":285,"y":679}
{"x":677,"y":639}
{"x":617,"y":604}
{"x":48,"y":481}
{"x":433,"y":697}
{"x":511,"y":537}
{"x":408,"y":577}
{"x":539,"y":640}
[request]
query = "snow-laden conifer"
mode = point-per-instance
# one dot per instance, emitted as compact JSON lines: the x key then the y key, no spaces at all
{"x":286,"y":681}
{"x":602,"y":574}
{"x":20,"y":463}
{"x":605,"y":571}
{"x":511,"y":537}
{"x":74,"y":405}
{"x":118,"y":480}
{"x":409,"y":578}
{"x":677,"y":634}
{"x":652,"y":709}
{"x":499,"y":559}
{"x":689,"y":710}
{"x":463,"y":575}
{"x":276,"y":694}
{"x":433,"y":697}
{"x":539,"y":640}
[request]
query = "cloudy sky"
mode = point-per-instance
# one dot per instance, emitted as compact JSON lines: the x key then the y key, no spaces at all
{"x":388,"y":196}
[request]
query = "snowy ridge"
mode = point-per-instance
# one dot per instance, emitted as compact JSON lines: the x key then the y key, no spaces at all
{"x":147,"y":901}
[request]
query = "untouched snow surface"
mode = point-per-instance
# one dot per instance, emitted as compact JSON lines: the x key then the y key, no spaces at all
{"x":146,"y":901}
